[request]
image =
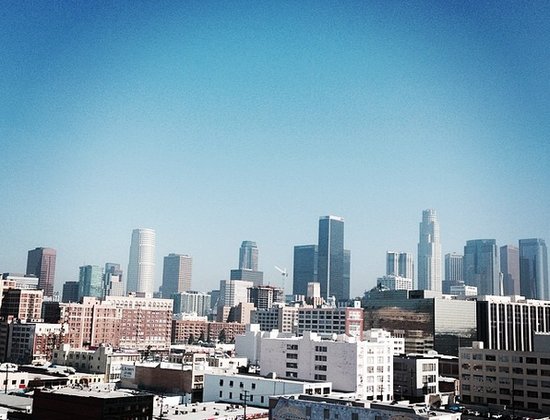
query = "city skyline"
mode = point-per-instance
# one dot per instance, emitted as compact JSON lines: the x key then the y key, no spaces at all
{"x":214,"y":124}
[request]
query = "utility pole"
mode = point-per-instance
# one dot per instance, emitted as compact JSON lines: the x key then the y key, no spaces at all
{"x":244,"y":398}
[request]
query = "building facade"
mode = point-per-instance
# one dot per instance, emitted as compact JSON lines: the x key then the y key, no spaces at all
{"x":304,"y":268}
{"x":325,"y":321}
{"x":533,"y":262}
{"x":41,"y":264}
{"x":141,"y":265}
{"x":454,"y":271}
{"x":113,"y":284}
{"x":70,"y":292}
{"x":90,"y":281}
{"x":176,"y":274}
{"x":333,"y":263}
{"x":429,"y":252}
{"x":192,"y":302}
{"x":393,"y":282}
{"x":248,"y":256}
{"x":509,"y":266}
{"x":482,"y":266}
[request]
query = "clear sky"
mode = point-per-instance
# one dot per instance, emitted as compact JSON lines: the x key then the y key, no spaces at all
{"x":217,"y":122}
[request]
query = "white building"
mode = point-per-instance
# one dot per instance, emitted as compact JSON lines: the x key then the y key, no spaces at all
{"x":233,"y":292}
{"x":364,"y":367}
{"x":415,"y":376}
{"x":331,"y":321}
{"x":429,"y":252}
{"x":230,"y":388}
{"x":192,"y":302}
{"x":393,"y":282}
{"x":141,"y":265}
{"x":464,"y":290}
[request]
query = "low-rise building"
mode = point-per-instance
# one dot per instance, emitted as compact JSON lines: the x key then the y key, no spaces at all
{"x":233,"y":388}
{"x":347,"y":321}
{"x":415,"y":376}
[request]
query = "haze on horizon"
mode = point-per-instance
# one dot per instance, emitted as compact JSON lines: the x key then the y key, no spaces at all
{"x":218,"y":122}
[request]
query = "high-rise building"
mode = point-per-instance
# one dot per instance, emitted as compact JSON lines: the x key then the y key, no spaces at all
{"x":176,"y":274}
{"x":141,"y":265}
{"x":454,"y":271}
{"x":192,"y":302}
{"x":90,"y":281}
{"x":429,"y":252}
{"x":333,"y":262}
{"x":248,"y":256}
{"x":482,"y":266}
{"x":305,"y":268}
{"x":41,"y":264}
{"x":533,"y":263}
{"x":509,"y":266}
{"x":400,"y":264}
{"x":70,"y":292}
{"x":112,"y":280}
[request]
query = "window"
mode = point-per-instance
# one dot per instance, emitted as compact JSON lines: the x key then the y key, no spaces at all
{"x":291,"y":356}
{"x":253,"y":386}
{"x":231,"y":383}
{"x":221,"y":394}
{"x":320,"y":367}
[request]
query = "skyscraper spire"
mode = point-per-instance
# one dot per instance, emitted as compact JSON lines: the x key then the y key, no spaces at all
{"x":429,"y":252}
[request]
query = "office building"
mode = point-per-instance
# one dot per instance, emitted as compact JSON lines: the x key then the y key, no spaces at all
{"x":41,"y":264}
{"x":454,"y":271}
{"x":533,"y":263}
{"x":510,"y":322}
{"x":70,"y":292}
{"x":429,"y":252}
{"x":21,"y":304}
{"x":482,"y":266}
{"x":233,"y":292}
{"x":141,"y":265}
{"x":333,"y":263}
{"x":263,"y":297}
{"x":305,"y":268}
{"x":509,"y":266}
{"x":248,"y":256}
{"x":427,"y":320}
{"x":518,"y":380}
{"x":192,"y":302}
{"x":255,"y":277}
{"x":393,"y":282}
{"x":328,"y":321}
{"x":281,"y":318}
{"x":415,"y":376}
{"x":90,"y":281}
{"x":113,"y":284}
{"x":176,"y":274}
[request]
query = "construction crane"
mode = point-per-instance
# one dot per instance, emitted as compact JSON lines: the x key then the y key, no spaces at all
{"x":284,"y":275}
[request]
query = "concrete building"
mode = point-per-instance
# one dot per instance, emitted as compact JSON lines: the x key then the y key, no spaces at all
{"x":141,"y":265}
{"x":41,"y":264}
{"x":364,"y":367}
{"x":347,"y":321}
{"x":393,"y":282}
{"x":263,"y":297}
{"x":28,"y":342}
{"x":233,"y":292}
{"x":429,"y":252}
{"x":230,"y":388}
{"x":519,"y":380}
{"x":22,"y":281}
{"x":463,"y":290}
{"x":415,"y":377}
{"x":189,"y":328}
{"x":71,"y":403}
{"x":21,"y":304}
{"x":176,"y":274}
{"x":510,"y":322}
{"x":281,"y":318}
{"x":101,"y":360}
{"x":192,"y":302}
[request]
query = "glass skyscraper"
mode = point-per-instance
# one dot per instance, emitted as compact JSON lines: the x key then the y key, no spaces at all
{"x":429,"y":252}
{"x":248,"y":256}
{"x":176,"y":274}
{"x":333,"y":263}
{"x":305,"y":268}
{"x":533,"y":266}
{"x":141,"y":265}
{"x":509,"y":266}
{"x":90,"y":281}
{"x":482,"y":266}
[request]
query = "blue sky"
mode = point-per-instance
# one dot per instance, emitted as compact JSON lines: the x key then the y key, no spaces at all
{"x":217,"y":122}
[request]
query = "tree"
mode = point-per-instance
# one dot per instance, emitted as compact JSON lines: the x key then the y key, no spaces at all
{"x":222,"y":336}
{"x":191,"y":339}
{"x":201,"y":337}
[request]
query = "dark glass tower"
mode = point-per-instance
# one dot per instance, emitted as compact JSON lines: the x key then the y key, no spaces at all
{"x":533,"y":266}
{"x":332,"y":271}
{"x":41,"y":264}
{"x":305,"y":268}
{"x":482,"y":266}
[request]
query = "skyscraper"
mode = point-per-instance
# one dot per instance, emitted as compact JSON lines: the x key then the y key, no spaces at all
{"x":41,"y":264}
{"x":333,"y":262}
{"x":400,"y":264}
{"x":305,"y":268}
{"x":533,"y":265}
{"x":112,"y":280}
{"x":176,"y":274}
{"x":482,"y":266}
{"x":509,"y":266}
{"x":248,"y":256}
{"x":429,"y":252}
{"x":454,"y":271}
{"x":90,"y":281}
{"x":141,"y":265}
